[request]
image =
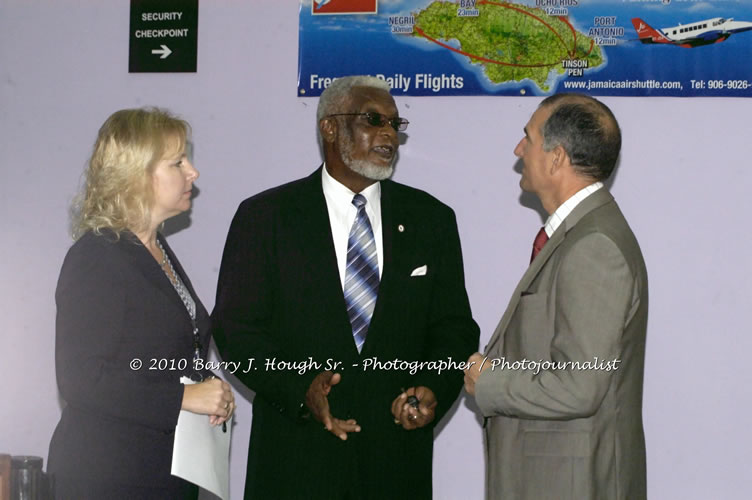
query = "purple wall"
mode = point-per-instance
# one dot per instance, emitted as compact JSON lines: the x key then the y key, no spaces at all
{"x":683,"y":183}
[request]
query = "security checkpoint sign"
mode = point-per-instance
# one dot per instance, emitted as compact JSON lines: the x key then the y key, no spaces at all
{"x":163,"y":36}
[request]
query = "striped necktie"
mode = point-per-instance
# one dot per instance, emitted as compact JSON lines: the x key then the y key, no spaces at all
{"x":361,"y":274}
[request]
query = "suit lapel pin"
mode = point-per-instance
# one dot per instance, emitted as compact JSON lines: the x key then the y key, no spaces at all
{"x":401,"y":228}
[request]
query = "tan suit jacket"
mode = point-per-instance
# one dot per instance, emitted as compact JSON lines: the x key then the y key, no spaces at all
{"x":571,"y":429}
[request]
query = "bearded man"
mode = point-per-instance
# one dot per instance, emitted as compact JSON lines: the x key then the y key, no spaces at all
{"x":360,"y":279}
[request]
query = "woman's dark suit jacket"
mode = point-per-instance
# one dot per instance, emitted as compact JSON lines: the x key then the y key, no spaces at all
{"x":116,"y":305}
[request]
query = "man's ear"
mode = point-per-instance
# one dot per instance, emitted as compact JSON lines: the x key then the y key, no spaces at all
{"x":560,"y":158}
{"x":328,"y":129}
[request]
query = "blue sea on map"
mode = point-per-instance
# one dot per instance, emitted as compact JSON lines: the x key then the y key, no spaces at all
{"x":332,"y":46}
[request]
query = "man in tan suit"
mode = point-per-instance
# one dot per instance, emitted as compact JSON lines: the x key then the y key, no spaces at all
{"x":560,"y":383}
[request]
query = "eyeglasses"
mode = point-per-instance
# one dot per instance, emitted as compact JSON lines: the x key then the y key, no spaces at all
{"x":378,"y":120}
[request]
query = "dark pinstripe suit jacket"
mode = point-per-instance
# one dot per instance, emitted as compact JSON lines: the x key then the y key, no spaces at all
{"x":280,"y":297}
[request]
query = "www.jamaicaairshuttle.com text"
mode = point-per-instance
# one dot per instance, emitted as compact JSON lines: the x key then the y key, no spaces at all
{"x":621,"y":84}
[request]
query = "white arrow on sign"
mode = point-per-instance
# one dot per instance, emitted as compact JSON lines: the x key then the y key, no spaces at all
{"x":165,"y":51}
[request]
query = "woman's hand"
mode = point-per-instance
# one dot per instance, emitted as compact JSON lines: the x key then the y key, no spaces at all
{"x":211,"y":397}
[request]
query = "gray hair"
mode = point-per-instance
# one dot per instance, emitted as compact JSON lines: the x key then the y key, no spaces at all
{"x":586,"y":129}
{"x":336,"y":95}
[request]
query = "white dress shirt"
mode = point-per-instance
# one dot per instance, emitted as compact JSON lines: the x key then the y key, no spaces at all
{"x":342,"y":215}
{"x":555,"y":219}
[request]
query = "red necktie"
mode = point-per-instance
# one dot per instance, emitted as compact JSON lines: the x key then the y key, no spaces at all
{"x":540,"y":239}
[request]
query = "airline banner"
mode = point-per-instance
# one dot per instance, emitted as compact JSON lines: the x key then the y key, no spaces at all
{"x":682,"y":48}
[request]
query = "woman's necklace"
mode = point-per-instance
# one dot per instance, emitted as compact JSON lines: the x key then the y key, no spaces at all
{"x":185,"y":296}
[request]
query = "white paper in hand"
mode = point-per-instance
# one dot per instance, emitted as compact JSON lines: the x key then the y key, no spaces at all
{"x":201,"y":453}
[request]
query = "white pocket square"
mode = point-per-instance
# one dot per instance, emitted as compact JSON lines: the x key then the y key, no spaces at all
{"x":419,"y":271}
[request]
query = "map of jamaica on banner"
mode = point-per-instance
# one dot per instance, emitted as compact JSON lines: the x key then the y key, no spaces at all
{"x":679,"y":48}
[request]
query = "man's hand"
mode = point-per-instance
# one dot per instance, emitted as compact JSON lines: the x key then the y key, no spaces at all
{"x":473,"y":371}
{"x":318,"y":404}
{"x":411,"y":418}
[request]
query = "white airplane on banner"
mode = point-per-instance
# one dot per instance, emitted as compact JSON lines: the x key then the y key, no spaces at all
{"x":691,"y":35}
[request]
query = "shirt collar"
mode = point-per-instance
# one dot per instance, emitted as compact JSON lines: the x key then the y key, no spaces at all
{"x":561,"y":213}
{"x":342,"y":195}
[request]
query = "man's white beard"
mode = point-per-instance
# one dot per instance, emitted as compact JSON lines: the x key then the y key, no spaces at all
{"x":363,"y":167}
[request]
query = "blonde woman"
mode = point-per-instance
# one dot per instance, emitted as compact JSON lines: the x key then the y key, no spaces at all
{"x":129,"y":323}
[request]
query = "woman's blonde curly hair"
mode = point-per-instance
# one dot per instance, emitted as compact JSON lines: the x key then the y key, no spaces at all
{"x":118,"y":193}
